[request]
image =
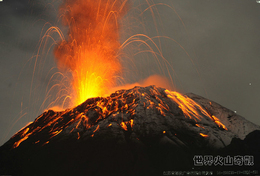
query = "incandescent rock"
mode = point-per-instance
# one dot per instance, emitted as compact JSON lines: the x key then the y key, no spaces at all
{"x":140,"y":131}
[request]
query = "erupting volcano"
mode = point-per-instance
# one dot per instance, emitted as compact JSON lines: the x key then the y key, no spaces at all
{"x":138,"y":131}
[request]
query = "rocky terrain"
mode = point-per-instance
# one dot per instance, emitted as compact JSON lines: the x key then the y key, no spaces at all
{"x":140,"y":131}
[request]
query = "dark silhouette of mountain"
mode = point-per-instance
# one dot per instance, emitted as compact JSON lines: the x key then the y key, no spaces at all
{"x":140,"y":131}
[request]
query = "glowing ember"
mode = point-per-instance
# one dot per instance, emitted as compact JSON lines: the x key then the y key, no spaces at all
{"x":204,"y":135}
{"x":91,"y":51}
{"x":131,"y":123}
{"x":219,"y":123}
{"x":123,"y":125}
{"x":200,"y":126}
{"x":96,"y":129}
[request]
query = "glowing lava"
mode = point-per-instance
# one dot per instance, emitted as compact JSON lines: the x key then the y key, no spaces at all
{"x":191,"y":109}
{"x":91,"y":51}
{"x":123,"y":108}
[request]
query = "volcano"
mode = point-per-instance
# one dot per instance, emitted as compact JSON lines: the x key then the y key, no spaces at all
{"x":140,"y":131}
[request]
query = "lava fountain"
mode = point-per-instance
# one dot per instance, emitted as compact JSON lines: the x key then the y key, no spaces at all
{"x":91,"y":50}
{"x":91,"y":54}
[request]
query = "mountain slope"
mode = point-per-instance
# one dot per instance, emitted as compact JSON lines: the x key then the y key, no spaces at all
{"x":140,"y":131}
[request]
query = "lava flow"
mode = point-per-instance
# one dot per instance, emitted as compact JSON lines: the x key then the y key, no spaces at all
{"x":91,"y":51}
{"x":119,"y":130}
{"x":122,"y":109}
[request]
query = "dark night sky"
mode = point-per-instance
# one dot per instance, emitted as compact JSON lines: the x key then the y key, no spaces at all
{"x":222,"y":38}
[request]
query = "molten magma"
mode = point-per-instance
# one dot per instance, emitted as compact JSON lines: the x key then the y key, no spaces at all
{"x":192,"y":110}
{"x":90,"y":52}
{"x":121,"y":108}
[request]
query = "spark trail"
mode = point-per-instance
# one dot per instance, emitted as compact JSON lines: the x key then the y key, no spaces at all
{"x":91,"y":50}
